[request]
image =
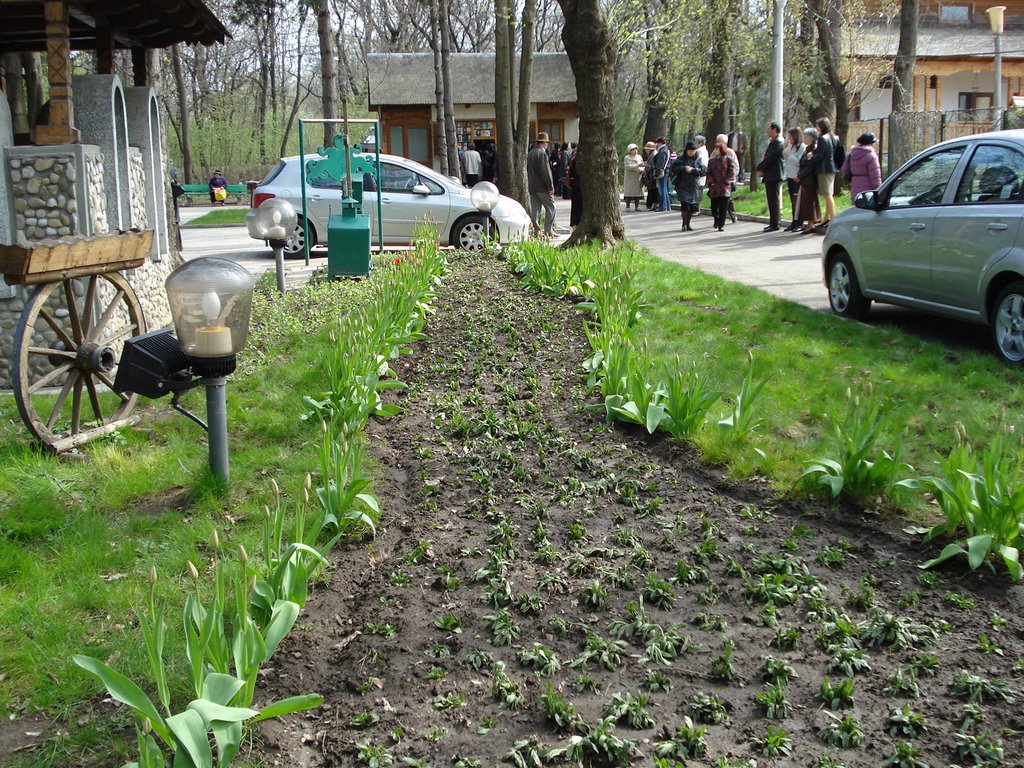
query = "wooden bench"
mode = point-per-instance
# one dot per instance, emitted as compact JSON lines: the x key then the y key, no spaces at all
{"x":237,"y":193}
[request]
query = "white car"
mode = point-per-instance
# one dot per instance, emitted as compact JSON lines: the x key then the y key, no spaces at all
{"x":411,"y":193}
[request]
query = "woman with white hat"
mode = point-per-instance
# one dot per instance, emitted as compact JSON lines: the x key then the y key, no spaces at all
{"x":632,"y":172}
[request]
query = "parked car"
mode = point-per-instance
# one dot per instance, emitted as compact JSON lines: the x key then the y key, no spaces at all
{"x":410,"y":194}
{"x":941,"y":235}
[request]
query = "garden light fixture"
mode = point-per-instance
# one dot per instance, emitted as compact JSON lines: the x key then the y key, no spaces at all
{"x":210,"y":301}
{"x":484,"y":196}
{"x":274,"y":221}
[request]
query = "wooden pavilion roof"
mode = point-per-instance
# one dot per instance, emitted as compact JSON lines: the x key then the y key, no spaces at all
{"x":132,"y":23}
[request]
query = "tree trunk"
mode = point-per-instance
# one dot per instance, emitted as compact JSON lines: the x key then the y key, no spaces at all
{"x":184,"y":134}
{"x":328,"y":72}
{"x":830,"y":26}
{"x":33,"y":66}
{"x":721,"y":89}
{"x":446,"y":77}
{"x":522,"y":138}
{"x":591,"y":47}
{"x":900,"y":145}
{"x":297,"y":99}
{"x":15,"y":85}
{"x":654,"y":125}
{"x":503,"y":97}
{"x":440,"y":132}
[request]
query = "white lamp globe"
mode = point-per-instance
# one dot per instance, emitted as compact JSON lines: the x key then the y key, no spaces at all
{"x":484,"y":196}
{"x":275,"y":219}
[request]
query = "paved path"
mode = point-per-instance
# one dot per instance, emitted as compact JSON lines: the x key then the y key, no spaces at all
{"x":783,"y":264}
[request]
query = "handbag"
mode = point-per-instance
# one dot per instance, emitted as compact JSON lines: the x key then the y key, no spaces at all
{"x":220,"y":193}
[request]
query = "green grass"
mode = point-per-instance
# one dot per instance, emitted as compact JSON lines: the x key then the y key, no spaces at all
{"x":810,"y":359}
{"x":220,"y":217}
{"x":77,"y":537}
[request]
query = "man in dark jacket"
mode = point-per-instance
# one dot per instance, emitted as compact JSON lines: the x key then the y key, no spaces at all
{"x":770,"y":169}
{"x":661,"y":163}
{"x":541,"y":186}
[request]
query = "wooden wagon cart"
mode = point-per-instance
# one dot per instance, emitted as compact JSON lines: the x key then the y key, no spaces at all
{"x":71,"y":331}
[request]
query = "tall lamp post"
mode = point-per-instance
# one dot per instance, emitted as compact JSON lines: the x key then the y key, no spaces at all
{"x":995,"y":20}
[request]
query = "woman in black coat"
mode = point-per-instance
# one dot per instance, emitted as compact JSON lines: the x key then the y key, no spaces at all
{"x":576,"y":196}
{"x":807,"y":177}
{"x":686,"y":172}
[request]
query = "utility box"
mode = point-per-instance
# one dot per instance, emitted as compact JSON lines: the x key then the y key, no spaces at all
{"x":348,"y":242}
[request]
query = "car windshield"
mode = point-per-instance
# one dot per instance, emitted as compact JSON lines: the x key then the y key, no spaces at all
{"x":273,"y":172}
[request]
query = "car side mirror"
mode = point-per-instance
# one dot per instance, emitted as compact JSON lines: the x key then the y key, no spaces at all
{"x":868,"y":200}
{"x":421,"y":189}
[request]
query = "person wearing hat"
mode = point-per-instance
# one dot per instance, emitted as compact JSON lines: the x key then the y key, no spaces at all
{"x":632,"y":173}
{"x":723,"y":168}
{"x":653,"y":197}
{"x":541,"y":186}
{"x":861,"y":167}
{"x":770,"y":169}
{"x":661,"y":158}
{"x":686,"y":172}
{"x":218,"y":182}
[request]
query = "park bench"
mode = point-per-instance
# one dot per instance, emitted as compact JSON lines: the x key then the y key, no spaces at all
{"x":237,"y":193}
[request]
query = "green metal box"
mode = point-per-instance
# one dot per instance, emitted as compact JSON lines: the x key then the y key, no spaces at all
{"x":348,"y":242}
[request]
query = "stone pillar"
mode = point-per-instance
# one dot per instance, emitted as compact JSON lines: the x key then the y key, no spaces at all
{"x":61,"y":128}
{"x":102,"y":116}
{"x":6,"y":141}
{"x":145,"y":132}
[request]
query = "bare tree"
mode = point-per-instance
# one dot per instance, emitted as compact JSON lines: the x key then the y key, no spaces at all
{"x":184,"y":131}
{"x":441,"y":128}
{"x":512,"y":93}
{"x":446,"y":77}
{"x":328,"y":72}
{"x":592,"y":49}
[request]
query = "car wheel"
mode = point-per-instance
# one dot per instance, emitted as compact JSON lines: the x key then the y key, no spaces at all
{"x":294,"y":246}
{"x":470,"y":233}
{"x":844,"y":294}
{"x":1008,"y":323}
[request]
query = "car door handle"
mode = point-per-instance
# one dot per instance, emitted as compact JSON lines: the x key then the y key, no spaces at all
{"x":997,"y":227}
{"x":916,"y":226}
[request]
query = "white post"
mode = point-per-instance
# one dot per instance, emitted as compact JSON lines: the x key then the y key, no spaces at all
{"x":998,"y":99}
{"x":775,"y":99}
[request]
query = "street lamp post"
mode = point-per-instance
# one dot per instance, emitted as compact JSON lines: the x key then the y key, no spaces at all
{"x":273,"y":221}
{"x":995,"y":20}
{"x":210,"y":300}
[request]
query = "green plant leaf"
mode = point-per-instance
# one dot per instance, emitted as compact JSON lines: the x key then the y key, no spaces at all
{"x":289,"y":705}
{"x":211,"y":711}
{"x":282,"y":619}
{"x":978,"y":548}
{"x":369,"y":500}
{"x":192,"y":741}
{"x":655,"y":415}
{"x":1011,"y":557}
{"x":124,"y":690}
{"x":221,"y":689}
{"x":950,"y":550}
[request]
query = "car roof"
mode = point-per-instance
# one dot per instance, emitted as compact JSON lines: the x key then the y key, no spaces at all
{"x":1016,"y":136}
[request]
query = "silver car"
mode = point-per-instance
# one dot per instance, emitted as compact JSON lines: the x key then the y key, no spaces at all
{"x":941,"y":235}
{"x":410,"y":194}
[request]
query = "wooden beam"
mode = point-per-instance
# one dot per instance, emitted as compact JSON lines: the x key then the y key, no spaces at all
{"x":104,"y":48}
{"x":61,"y":124}
{"x":140,"y":74}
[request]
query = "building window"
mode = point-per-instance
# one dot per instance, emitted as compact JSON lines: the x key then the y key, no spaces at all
{"x":554,"y":129}
{"x":954,"y":13}
{"x":975,"y":100}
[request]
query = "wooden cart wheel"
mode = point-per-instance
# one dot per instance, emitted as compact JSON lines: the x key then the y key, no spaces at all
{"x":66,"y":349}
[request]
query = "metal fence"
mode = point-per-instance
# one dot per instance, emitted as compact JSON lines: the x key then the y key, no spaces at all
{"x":903,"y":135}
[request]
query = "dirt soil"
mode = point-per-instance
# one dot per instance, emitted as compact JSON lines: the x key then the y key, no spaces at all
{"x":509,"y":507}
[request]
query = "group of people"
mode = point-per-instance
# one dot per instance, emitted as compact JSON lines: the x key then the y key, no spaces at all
{"x":811,"y":159}
{"x":553,"y":170}
{"x":807,"y":162}
{"x":478,"y":164}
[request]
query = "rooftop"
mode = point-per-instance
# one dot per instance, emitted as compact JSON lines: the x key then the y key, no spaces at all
{"x":134,"y":24}
{"x":942,"y":40}
{"x":407,"y":79}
